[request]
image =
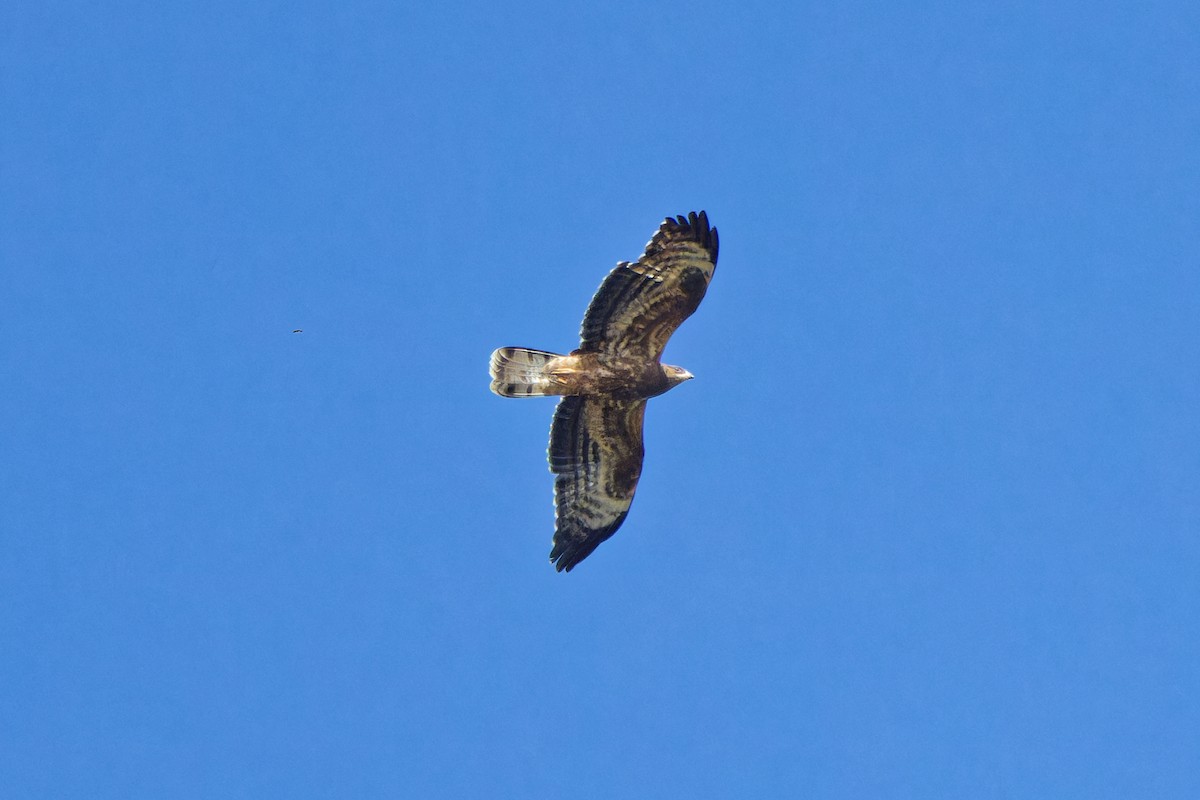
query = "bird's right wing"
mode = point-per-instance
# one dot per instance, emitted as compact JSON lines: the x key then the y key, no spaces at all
{"x":639,"y":305}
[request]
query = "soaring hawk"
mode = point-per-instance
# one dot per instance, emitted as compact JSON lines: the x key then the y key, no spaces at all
{"x":596,"y":438}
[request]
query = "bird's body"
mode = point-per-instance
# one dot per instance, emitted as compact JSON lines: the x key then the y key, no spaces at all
{"x":596,"y":448}
{"x":585,"y":374}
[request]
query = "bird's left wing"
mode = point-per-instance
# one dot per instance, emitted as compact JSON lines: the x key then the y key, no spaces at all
{"x":596,"y":457}
{"x":639,"y":305}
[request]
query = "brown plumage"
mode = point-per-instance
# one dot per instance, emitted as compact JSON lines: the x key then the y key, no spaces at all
{"x":596,"y":438}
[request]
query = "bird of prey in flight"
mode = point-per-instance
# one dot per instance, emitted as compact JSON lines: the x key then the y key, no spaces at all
{"x":596,"y":447}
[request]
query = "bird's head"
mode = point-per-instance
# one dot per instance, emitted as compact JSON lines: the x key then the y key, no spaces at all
{"x":676,"y":375}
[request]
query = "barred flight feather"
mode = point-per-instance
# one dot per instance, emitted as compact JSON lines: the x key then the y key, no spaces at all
{"x":520,"y":372}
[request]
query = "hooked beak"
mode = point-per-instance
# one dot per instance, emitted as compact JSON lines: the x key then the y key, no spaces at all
{"x":684,"y":375}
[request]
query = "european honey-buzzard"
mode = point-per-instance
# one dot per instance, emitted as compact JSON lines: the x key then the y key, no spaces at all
{"x":596,"y":447}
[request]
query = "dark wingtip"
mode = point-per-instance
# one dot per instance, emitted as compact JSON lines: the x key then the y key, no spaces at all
{"x":696,"y":223}
{"x":570,"y":550}
{"x":565,"y":558}
{"x":562,"y":560}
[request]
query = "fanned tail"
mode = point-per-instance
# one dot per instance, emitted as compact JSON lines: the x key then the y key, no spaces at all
{"x":520,"y":372}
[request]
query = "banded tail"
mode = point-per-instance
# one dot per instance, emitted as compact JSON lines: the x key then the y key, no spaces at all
{"x":520,"y":372}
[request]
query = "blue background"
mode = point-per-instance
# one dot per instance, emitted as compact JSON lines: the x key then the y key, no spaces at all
{"x":925,"y":525}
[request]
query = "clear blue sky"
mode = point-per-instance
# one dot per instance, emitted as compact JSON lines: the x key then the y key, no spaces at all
{"x":927,"y":524}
